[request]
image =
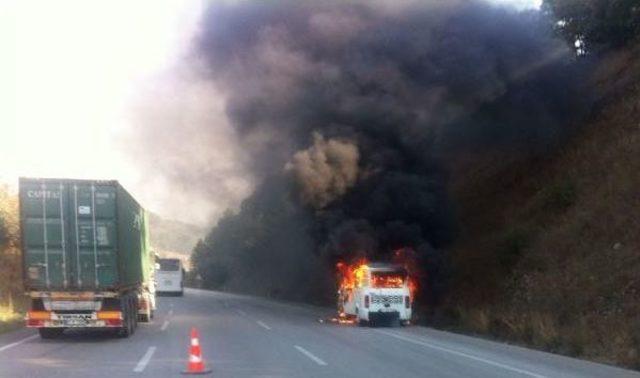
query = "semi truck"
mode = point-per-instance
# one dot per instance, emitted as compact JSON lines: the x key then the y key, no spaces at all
{"x":87,"y":262}
{"x":375,"y":293}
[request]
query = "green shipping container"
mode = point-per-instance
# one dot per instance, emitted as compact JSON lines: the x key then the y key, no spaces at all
{"x":82,"y":235}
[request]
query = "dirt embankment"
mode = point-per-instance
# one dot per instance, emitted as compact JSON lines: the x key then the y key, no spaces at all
{"x":548,"y":253}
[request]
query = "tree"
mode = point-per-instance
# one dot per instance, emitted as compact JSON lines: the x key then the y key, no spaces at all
{"x":596,"y":24}
{"x":3,"y":232}
{"x":10,"y":280}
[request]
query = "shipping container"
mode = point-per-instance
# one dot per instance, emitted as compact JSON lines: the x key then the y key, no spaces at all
{"x":84,"y":236}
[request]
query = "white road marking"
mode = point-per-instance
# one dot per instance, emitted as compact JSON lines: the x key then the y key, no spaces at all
{"x":170,"y":312}
{"x":314,"y":358}
{"x":241,"y":312}
{"x":2,"y":348}
{"x":462,"y":354}
{"x":164,"y":325}
{"x":261,"y":324}
{"x":144,"y":360}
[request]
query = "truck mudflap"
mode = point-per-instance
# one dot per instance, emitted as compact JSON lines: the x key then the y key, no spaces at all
{"x":52,"y":319}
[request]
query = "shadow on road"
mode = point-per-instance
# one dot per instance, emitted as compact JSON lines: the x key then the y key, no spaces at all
{"x":88,"y":335}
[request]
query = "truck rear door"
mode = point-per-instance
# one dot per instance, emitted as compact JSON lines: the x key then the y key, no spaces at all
{"x":93,"y":233}
{"x":69,"y":234}
{"x":44,"y":213}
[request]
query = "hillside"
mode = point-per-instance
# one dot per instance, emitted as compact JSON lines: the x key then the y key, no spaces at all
{"x":172,"y":238}
{"x":547,"y":253}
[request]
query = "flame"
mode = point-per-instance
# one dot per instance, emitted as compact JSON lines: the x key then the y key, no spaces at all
{"x":413,"y":288}
{"x":387,"y":281}
{"x":343,"y":319}
{"x":350,"y":276}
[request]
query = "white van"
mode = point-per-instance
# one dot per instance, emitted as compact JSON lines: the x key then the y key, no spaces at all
{"x":379,"y":293}
{"x":169,"y":277}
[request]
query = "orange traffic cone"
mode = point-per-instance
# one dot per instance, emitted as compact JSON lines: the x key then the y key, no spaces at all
{"x":196,"y":363}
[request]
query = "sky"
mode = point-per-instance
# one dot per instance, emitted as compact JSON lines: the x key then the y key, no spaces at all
{"x":520,"y":4}
{"x":71,"y":72}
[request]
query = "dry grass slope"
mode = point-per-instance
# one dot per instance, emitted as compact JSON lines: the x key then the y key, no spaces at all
{"x":549,"y":250}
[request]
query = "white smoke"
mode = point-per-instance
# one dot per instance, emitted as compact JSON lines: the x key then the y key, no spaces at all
{"x":192,"y":165}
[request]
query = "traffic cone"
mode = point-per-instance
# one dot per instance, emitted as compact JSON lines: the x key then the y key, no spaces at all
{"x":196,"y":363}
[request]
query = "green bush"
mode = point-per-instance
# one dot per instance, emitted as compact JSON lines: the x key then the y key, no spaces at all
{"x":559,"y":196}
{"x":510,"y":249}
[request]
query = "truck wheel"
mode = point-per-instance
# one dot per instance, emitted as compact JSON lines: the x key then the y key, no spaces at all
{"x":50,"y":333}
{"x":127,"y":327}
{"x":124,"y":331}
{"x":134,"y":315}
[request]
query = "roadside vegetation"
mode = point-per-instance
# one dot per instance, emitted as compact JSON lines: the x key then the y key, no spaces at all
{"x":11,"y":298}
{"x":547,"y":254}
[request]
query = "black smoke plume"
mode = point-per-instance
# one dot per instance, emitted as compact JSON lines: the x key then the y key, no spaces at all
{"x":347,"y":109}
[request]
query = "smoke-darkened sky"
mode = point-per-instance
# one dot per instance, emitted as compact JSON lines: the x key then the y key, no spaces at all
{"x":346,"y":114}
{"x":119,"y":85}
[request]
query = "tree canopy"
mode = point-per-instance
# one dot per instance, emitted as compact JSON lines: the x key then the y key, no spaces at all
{"x":596,"y":24}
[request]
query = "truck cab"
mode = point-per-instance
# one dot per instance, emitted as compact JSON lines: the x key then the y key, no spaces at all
{"x":380,"y":293}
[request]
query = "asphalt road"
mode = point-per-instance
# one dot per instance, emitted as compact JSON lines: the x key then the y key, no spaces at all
{"x":249,"y":337}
